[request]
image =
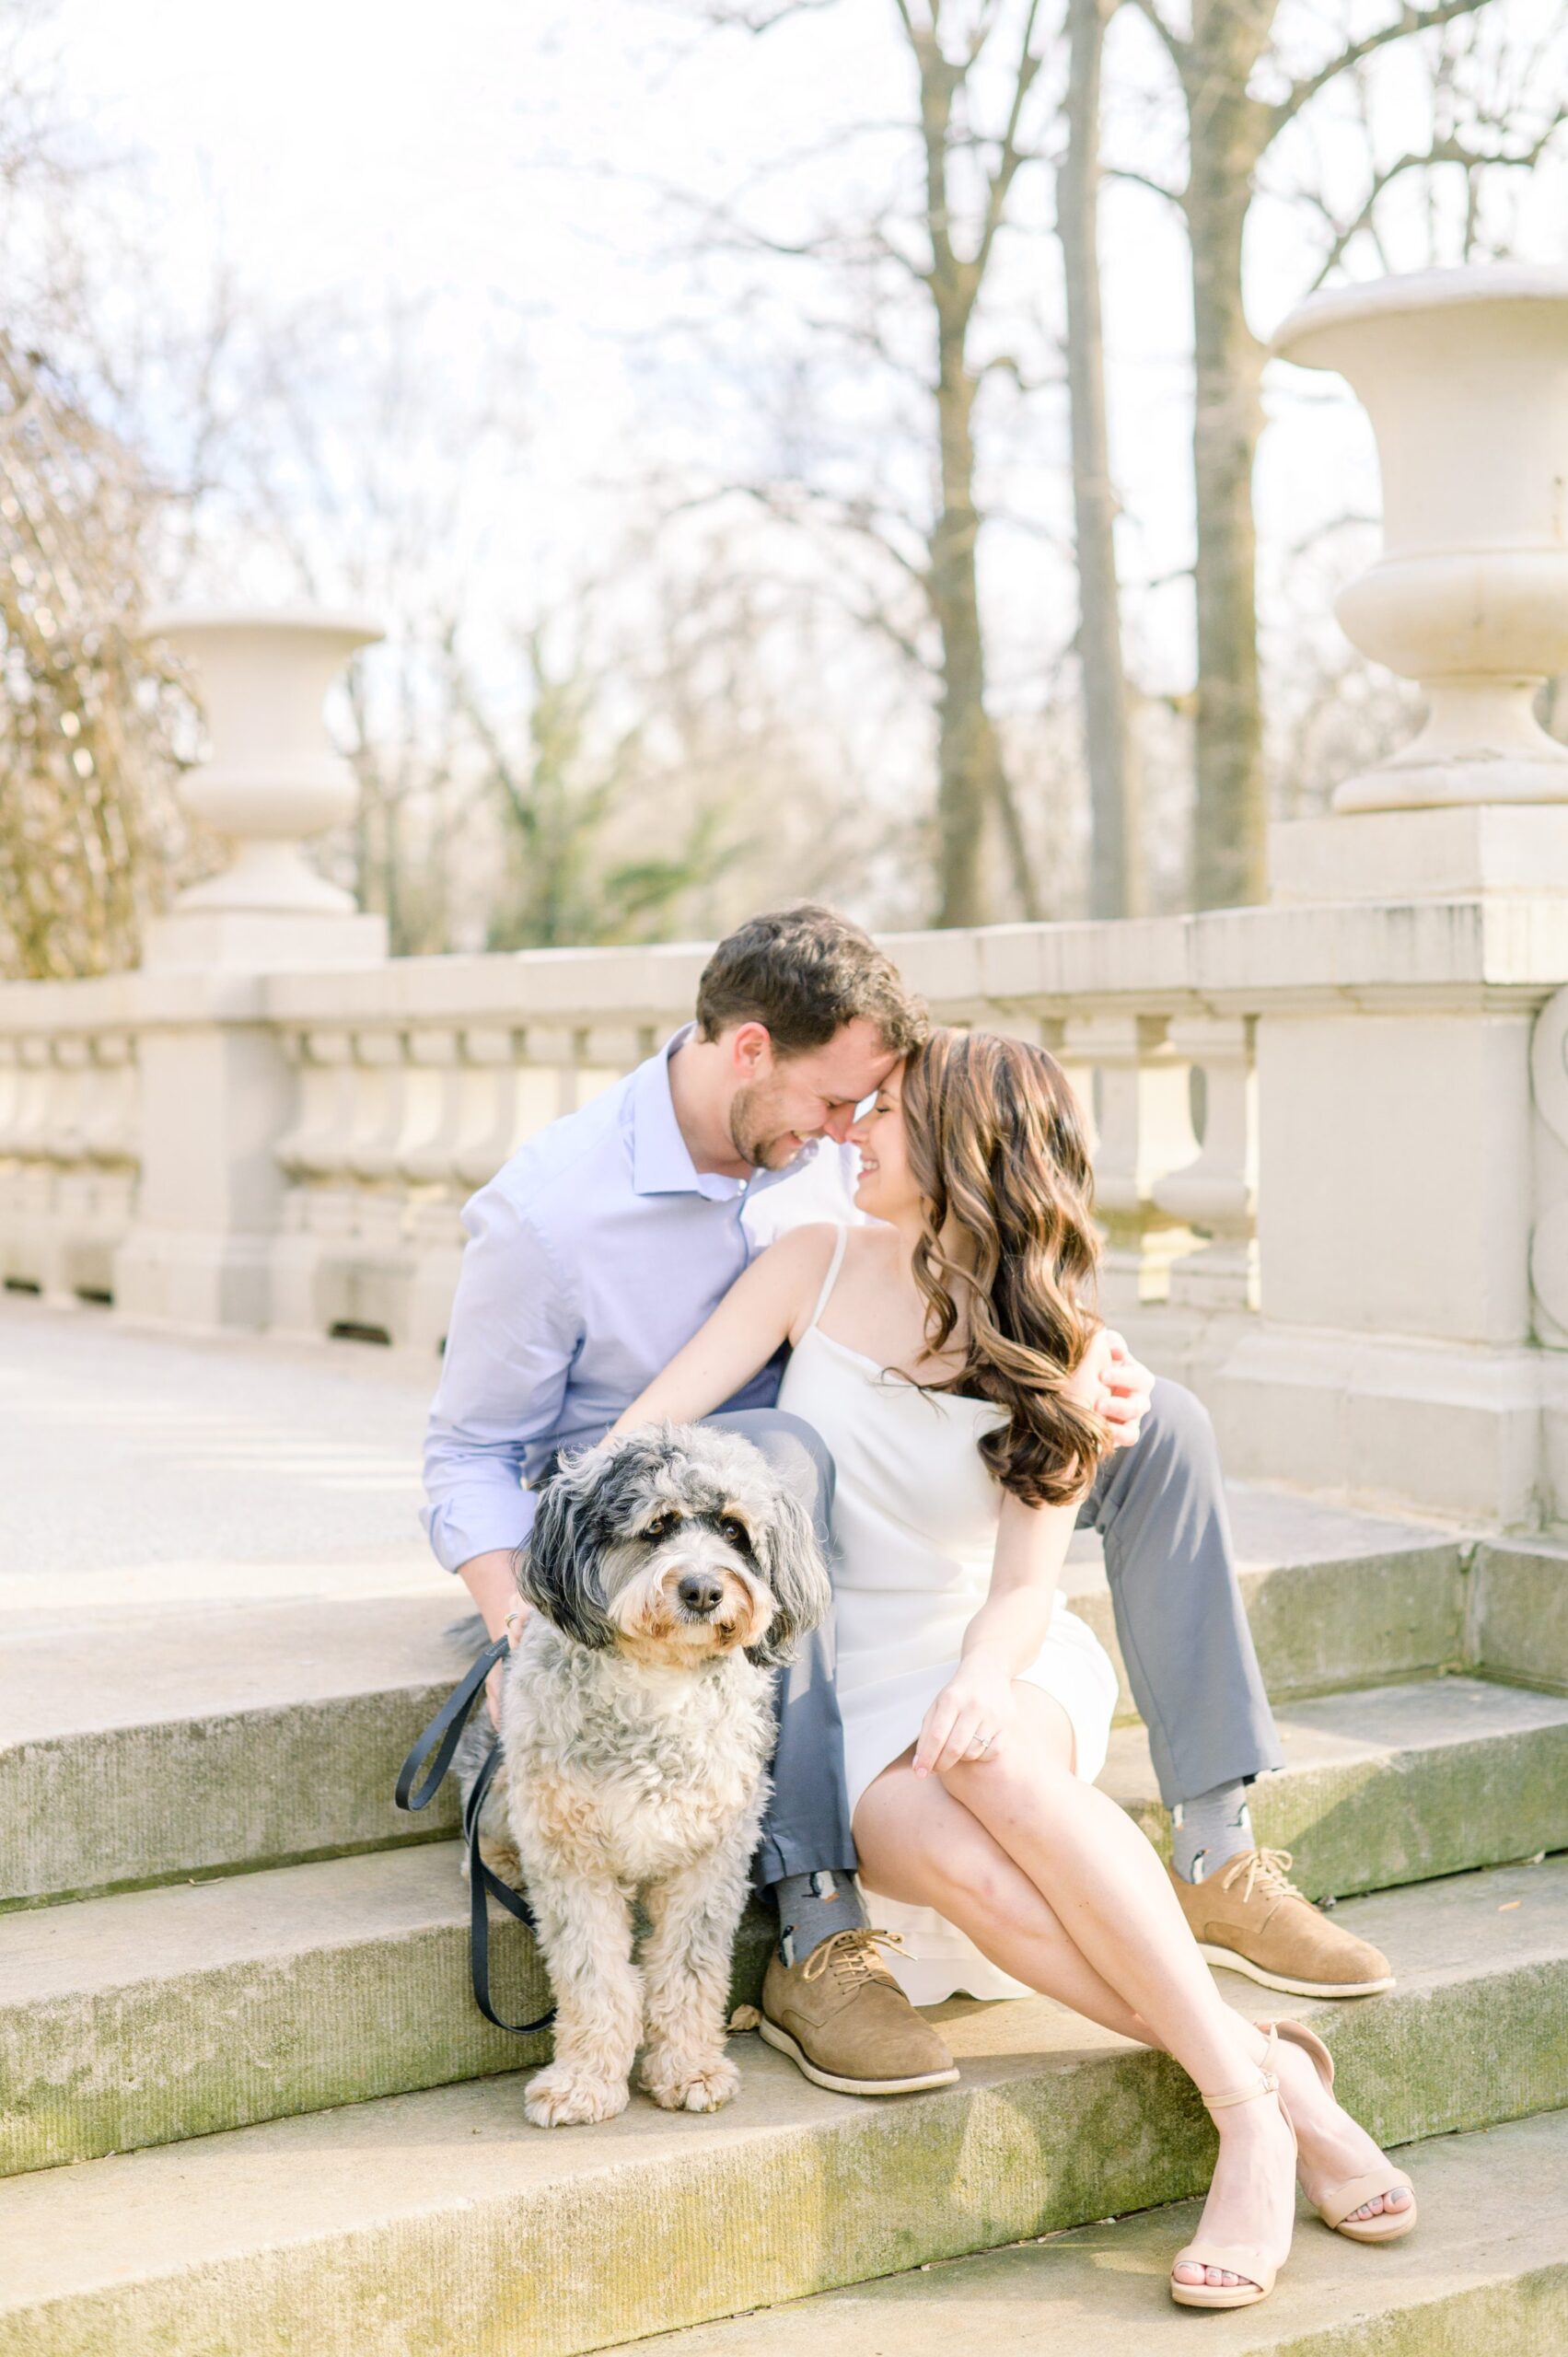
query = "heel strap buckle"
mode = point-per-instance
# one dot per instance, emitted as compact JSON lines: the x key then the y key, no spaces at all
{"x":1268,"y":2085}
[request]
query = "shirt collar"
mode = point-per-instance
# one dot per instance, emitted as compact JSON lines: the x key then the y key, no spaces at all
{"x":661,"y":1160}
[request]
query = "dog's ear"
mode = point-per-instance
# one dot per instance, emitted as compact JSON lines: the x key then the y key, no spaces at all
{"x":796,"y":1576}
{"x":557,"y":1565}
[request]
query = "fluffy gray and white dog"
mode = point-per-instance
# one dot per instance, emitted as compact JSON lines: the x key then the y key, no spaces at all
{"x":670,"y":1572}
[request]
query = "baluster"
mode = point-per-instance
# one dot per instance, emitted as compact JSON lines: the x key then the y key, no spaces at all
{"x":36,"y":1186}
{"x":381,"y":1104}
{"x":74,"y":1267}
{"x":110,"y":1144}
{"x":1139,"y":1126}
{"x":1216,"y":1193}
{"x":316,"y":1146}
{"x":494,"y":1094}
{"x":11,"y":1101}
{"x":434,"y":1085}
{"x":553,"y":1053}
{"x":607,"y":1052}
{"x":313,"y":1156}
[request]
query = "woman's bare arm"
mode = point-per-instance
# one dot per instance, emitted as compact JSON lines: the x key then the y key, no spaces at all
{"x":1003,"y":1637}
{"x":1010,"y":1627}
{"x":769,"y":1304}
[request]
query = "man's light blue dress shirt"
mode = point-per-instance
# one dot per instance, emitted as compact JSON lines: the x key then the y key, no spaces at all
{"x":593,"y":1256}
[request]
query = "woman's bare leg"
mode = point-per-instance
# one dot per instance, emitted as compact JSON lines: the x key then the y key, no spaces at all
{"x":1108,"y":1892}
{"x":918,"y":1845}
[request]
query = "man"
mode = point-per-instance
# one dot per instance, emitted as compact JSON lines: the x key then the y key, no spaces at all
{"x":596,"y":1253}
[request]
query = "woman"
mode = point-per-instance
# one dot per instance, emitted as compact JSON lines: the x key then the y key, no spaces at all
{"x":945,"y":1355}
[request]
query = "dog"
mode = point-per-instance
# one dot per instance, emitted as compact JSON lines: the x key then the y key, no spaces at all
{"x":672,"y":1572}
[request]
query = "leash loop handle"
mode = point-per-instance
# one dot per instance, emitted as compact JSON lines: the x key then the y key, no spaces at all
{"x":446,"y":1731}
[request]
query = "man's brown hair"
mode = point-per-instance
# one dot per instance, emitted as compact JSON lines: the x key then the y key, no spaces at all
{"x":803,"y":973}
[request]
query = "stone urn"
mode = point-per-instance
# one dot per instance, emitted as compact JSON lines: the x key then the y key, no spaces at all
{"x":1464,"y":374}
{"x":273,"y":776}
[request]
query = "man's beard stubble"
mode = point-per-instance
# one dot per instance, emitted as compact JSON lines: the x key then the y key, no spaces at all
{"x":749,"y":1114}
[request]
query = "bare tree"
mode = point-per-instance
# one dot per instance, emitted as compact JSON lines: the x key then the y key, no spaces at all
{"x":1114,"y":864}
{"x":1234,"y":50}
{"x":90,"y":835}
{"x":918,"y":282}
{"x":88,"y":828}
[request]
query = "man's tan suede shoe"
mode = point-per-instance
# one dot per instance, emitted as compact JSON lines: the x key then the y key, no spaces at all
{"x":1247,"y":1917}
{"x":839,"y":2015}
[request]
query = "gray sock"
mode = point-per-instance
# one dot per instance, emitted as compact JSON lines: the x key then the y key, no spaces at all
{"x":811,"y":1908}
{"x":1209,"y":1830}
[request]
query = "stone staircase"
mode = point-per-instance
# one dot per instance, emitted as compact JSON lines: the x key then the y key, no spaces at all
{"x":248,"y":2105}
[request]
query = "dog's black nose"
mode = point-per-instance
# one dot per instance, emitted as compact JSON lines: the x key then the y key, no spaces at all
{"x":700,"y":1592}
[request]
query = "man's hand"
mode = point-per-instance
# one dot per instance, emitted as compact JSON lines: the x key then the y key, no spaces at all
{"x":1122,"y":1398}
{"x":489,"y":1580}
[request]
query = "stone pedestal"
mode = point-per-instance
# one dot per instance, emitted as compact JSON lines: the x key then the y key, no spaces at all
{"x":1500,"y":850}
{"x":1400,"y":1354}
{"x":217,"y":1091}
{"x":257,"y":941}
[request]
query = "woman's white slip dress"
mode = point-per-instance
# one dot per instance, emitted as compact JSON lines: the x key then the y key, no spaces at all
{"x":914,"y":1523}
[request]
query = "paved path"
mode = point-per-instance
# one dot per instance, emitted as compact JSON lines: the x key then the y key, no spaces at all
{"x":139,"y":1468}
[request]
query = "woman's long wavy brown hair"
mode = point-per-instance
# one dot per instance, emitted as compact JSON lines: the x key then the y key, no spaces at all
{"x":997,"y":1150}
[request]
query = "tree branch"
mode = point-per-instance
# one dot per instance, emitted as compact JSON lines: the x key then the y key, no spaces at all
{"x":1142,"y":180}
{"x":1010,"y":157}
{"x":1408,"y":20}
{"x":1175,"y":47}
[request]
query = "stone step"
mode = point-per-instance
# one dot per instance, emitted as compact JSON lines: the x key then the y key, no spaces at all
{"x":441,"y":2220}
{"x":186,"y":2010}
{"x":1335,"y":1597}
{"x":141,"y":1747}
{"x":1486,"y":2268}
{"x":1518,"y":1617}
{"x":249,"y":1735}
{"x":163,"y":2014}
{"x":1395,"y":1783}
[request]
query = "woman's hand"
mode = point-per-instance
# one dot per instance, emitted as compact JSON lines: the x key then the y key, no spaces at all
{"x":971,"y":1717}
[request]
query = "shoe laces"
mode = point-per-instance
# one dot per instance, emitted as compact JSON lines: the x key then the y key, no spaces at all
{"x":1263,"y":1872}
{"x":850,"y":1956}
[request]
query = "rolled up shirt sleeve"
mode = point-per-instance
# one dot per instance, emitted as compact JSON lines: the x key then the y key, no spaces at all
{"x":513,"y":1335}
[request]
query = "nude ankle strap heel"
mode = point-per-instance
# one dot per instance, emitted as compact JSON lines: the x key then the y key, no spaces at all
{"x":1235,"y":2259}
{"x":1334,"y":2202}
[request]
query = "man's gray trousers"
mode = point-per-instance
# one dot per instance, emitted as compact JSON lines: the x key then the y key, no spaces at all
{"x":1159,"y":1508}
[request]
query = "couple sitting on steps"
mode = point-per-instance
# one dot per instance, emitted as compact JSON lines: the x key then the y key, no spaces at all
{"x":867,"y":1245}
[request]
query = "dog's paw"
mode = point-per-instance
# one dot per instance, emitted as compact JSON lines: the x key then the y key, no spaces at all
{"x":682,"y":2083}
{"x":561,"y":2096}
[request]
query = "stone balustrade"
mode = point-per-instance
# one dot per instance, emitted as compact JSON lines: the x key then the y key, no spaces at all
{"x":1314,"y":1141}
{"x":69,"y":1136}
{"x":410,"y":1082}
{"x":1331,"y":1134}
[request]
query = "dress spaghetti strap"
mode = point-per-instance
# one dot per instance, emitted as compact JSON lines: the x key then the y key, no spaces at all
{"x":834,"y":1265}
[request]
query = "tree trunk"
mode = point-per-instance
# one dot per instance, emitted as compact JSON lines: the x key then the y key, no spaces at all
{"x":968,"y":756}
{"x":1227,"y":137}
{"x":1113,"y":862}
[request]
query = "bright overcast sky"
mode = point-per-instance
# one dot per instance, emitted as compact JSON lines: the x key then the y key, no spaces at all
{"x":500,"y":153}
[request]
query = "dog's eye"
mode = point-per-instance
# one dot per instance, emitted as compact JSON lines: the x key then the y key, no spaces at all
{"x":662,"y":1524}
{"x":735,"y":1533}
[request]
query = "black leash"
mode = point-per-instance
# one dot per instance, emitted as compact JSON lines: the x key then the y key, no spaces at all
{"x":442,"y":1735}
